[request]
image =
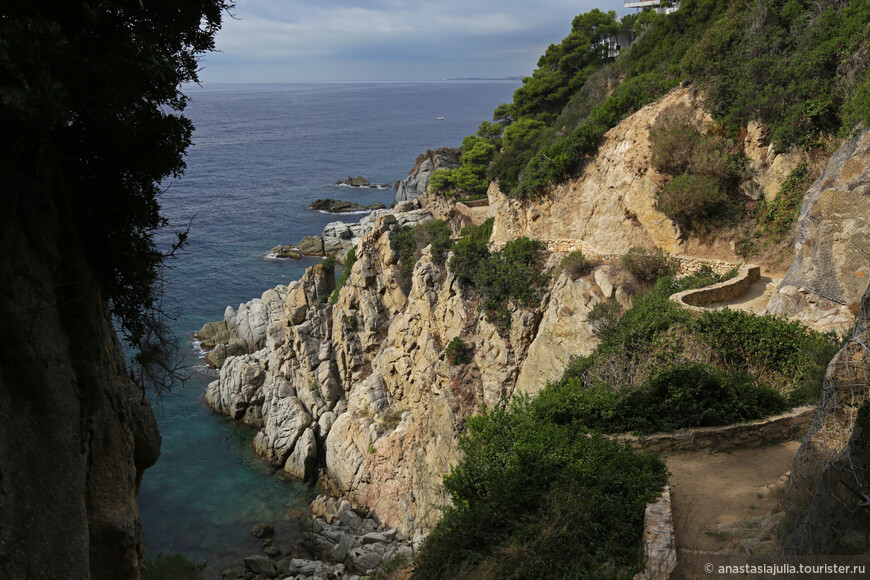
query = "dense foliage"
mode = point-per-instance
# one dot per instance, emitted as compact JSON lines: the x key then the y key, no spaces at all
{"x":510,"y":275}
{"x":534,"y":498}
{"x":799,"y":66}
{"x":752,"y":364}
{"x":89,"y":106}
{"x":409,"y":243}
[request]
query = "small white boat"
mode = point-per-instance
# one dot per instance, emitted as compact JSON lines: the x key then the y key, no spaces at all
{"x":441,"y":118}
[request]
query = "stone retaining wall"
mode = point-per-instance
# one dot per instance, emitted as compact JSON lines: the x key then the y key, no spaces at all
{"x":755,"y":434}
{"x":659,"y":541}
{"x":721,"y":292}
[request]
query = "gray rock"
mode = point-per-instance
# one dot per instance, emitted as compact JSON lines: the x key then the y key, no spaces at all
{"x":418,"y":178}
{"x":374,"y":538}
{"x":364,"y":560}
{"x":272,"y":551}
{"x":339,"y":206}
{"x":404,"y":206}
{"x":311,"y":246}
{"x":234,"y":573}
{"x":350,"y":520}
{"x":302,"y":462}
{"x":260,"y":564}
{"x":358,"y":181}
{"x":287,"y":252}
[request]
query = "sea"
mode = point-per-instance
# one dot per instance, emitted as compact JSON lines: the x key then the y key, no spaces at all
{"x":261,"y":153}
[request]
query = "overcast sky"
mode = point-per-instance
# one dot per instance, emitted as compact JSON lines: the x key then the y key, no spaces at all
{"x":347,"y":40}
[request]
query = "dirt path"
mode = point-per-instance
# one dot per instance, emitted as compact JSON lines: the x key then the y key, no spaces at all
{"x":755,"y":299}
{"x":708,"y":490}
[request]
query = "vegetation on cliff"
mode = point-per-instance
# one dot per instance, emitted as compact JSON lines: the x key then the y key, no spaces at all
{"x":798,"y":66}
{"x":539,"y":499}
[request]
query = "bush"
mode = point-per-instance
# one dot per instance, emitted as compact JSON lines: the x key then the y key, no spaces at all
{"x":648,"y":265}
{"x":576,"y":264}
{"x":349,"y":261}
{"x":673,"y":140}
{"x":171,"y":567}
{"x":457,"y":352}
{"x":604,"y":316}
{"x":693,"y":202}
{"x":698,"y":395}
{"x":532,"y":498}
{"x":350,"y":323}
{"x":411,"y":241}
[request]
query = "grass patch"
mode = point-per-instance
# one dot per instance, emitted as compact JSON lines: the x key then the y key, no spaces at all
{"x":349,"y":261}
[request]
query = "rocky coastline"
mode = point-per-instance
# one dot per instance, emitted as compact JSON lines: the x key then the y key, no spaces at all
{"x":339,"y":542}
{"x":358,"y":390}
{"x":330,"y":205}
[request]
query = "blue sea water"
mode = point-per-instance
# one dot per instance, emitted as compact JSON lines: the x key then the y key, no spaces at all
{"x":261,"y":154}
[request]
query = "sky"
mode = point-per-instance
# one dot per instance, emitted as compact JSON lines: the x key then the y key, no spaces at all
{"x":383,"y":40}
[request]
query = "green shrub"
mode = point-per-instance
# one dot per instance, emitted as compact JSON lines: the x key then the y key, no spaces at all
{"x":510,"y":274}
{"x":457,"y":352}
{"x":576,"y":264}
{"x":647,"y":265}
{"x":349,"y":261}
{"x":693,"y":202}
{"x":604,"y":316}
{"x":532,"y":498}
{"x":698,"y":395}
{"x":411,"y":241}
{"x":171,"y":567}
{"x":791,"y":355}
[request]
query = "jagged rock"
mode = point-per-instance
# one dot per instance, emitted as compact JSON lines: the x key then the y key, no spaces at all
{"x":262,"y":565}
{"x":564,"y":332}
{"x":311,"y":246}
{"x":404,"y":206}
{"x":358,"y":181}
{"x":302,"y":462}
{"x":339,"y":237}
{"x":832,"y":243}
{"x":418,"y":178}
{"x":338,"y":206}
{"x":242,"y":331}
{"x":285,"y":252}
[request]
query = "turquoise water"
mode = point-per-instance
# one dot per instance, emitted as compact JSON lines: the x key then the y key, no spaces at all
{"x":262,"y":153}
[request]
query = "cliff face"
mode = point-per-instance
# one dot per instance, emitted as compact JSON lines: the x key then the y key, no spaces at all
{"x":611,"y":205}
{"x":364,"y":388}
{"x":831,"y":266}
{"x":75,"y":433}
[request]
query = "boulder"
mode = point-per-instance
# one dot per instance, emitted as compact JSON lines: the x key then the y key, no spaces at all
{"x":358,"y":181}
{"x":285,"y":252}
{"x":311,"y":246}
{"x":262,"y":565}
{"x":262,"y":530}
{"x":302,"y":462}
{"x":338,"y":206}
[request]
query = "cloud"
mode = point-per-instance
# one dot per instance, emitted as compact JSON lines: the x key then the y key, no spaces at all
{"x":385,"y":39}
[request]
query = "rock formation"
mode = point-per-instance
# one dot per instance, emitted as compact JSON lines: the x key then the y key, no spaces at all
{"x":831,"y":266}
{"x":415,"y":183}
{"x":363,"y":388}
{"x":329,"y":205}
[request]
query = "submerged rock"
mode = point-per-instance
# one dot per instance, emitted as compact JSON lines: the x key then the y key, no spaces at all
{"x":286,"y":252}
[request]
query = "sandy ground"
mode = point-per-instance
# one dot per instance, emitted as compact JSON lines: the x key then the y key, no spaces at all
{"x":712,"y":489}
